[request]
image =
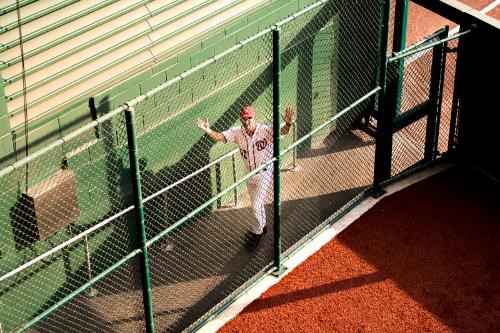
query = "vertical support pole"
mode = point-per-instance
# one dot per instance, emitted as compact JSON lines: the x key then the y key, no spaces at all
{"x":435,"y":98}
{"x":383,"y":148}
{"x":468,"y":47}
{"x":218,"y":183}
{"x":235,"y":178}
{"x":4,"y":119}
{"x":139,"y":217}
{"x":399,"y":44}
{"x":452,"y":135}
{"x":87,"y":257}
{"x":457,"y":91}
{"x":91,"y":291}
{"x":277,"y":149}
{"x":294,"y":158}
{"x":400,"y":25}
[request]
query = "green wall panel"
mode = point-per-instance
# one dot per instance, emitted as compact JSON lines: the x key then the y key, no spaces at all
{"x":224,"y":44}
{"x":236,"y":26}
{"x":210,"y":41}
{"x":125,"y":96}
{"x":304,"y":3}
{"x":4,"y":124}
{"x":162,"y":65}
{"x":74,"y":119}
{"x":153,"y":82}
{"x":6,"y":150}
{"x":247,"y":31}
{"x":203,"y":55}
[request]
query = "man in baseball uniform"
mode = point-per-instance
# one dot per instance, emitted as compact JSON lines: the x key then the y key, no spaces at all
{"x":255,"y":142}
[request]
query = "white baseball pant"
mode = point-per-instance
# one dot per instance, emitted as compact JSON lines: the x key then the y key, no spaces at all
{"x":258,"y":187}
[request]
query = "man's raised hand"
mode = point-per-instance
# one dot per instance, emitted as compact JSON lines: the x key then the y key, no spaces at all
{"x":288,"y":117}
{"x":203,"y":124}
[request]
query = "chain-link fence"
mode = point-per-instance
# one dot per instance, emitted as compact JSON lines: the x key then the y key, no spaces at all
{"x":74,"y":258}
{"x":425,"y":79}
{"x":67,"y":224}
{"x":323,"y":75}
{"x":202,"y":260}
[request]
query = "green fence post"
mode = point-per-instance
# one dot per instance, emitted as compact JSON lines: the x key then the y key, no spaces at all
{"x":435,"y":98}
{"x":383,"y":148}
{"x":399,"y":44}
{"x":400,"y":25}
{"x":139,"y":217}
{"x":458,"y":90}
{"x":277,"y":150}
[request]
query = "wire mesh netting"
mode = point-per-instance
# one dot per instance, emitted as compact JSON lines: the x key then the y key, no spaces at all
{"x":322,"y":75}
{"x":177,"y":157}
{"x":415,"y":102}
{"x":408,"y":146}
{"x":197,"y":267}
{"x":329,"y":178}
{"x":114,"y":304}
{"x":205,"y":260}
{"x":66,"y":225}
{"x":416,"y":80}
{"x":69,"y":213}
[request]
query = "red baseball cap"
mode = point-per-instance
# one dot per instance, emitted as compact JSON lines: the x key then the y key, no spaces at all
{"x":247,"y":112}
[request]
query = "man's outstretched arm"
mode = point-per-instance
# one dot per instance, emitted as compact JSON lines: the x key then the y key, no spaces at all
{"x":203,"y":125}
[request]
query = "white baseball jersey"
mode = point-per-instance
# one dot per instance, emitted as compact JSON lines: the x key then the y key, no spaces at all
{"x":256,"y":149}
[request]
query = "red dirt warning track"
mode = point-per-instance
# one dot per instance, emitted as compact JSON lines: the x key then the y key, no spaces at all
{"x":424,"y":259}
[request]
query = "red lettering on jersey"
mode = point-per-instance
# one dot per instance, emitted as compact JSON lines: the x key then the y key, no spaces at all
{"x":262,"y":144}
{"x":244,"y":153}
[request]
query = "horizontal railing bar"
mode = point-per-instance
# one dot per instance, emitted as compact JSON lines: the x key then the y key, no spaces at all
{"x":426,"y":47}
{"x":61,"y":141}
{"x":329,"y":121}
{"x":13,"y":6}
{"x":65,"y":244}
{"x":191,"y":175}
{"x":421,"y":42}
{"x":81,"y":289}
{"x":410,"y":116}
{"x":38,"y":32}
{"x":65,"y":71}
{"x":87,"y":28}
{"x":36,"y":15}
{"x":186,"y":218}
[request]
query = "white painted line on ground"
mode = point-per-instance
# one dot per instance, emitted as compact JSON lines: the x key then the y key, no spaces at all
{"x":313,"y":246}
{"x":452,"y":32}
{"x":485,"y":10}
{"x":490,"y":7}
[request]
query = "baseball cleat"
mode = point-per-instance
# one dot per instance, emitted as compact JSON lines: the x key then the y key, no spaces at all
{"x":253,"y":240}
